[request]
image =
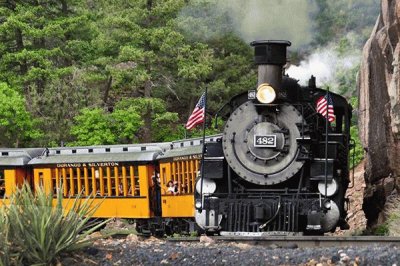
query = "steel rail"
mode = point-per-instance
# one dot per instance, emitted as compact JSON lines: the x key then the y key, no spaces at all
{"x":300,"y":241}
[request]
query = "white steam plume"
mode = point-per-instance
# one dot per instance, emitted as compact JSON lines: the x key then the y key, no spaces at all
{"x":324,"y":64}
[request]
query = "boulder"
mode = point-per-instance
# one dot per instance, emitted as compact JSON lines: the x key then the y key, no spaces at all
{"x":379,"y":109}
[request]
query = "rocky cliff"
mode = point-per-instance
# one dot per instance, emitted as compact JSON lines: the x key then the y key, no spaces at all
{"x":379,"y":111}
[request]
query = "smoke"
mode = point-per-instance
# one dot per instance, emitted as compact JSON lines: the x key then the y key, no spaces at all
{"x":271,"y":19}
{"x":251,"y":19}
{"x":326,"y":64}
{"x":300,"y":21}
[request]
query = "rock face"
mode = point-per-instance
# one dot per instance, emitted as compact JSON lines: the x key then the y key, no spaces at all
{"x":379,"y":110}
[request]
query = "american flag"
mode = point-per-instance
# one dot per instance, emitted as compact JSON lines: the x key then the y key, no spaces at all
{"x":324,"y":105}
{"x":197,"y":116}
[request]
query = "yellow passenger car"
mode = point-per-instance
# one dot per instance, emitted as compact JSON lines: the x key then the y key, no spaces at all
{"x":14,"y":170}
{"x":178,"y":171}
{"x":118,"y":176}
{"x":178,"y":168}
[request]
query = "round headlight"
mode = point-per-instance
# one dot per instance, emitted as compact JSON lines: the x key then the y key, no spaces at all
{"x":265,"y":93}
{"x":198,"y":204}
{"x":332,"y":187}
{"x":209,"y":186}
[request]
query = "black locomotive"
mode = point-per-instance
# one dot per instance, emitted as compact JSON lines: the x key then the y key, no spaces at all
{"x":279,"y":165}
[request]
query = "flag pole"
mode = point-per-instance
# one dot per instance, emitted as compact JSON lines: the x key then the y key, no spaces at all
{"x":326,"y":142}
{"x":203,"y":150}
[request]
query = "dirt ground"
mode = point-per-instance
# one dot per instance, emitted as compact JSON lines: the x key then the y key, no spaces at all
{"x":356,"y":216}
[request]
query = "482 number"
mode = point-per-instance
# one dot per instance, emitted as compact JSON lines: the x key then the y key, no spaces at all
{"x":265,"y":141}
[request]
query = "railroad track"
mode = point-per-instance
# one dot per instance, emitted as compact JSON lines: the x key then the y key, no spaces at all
{"x":300,"y":241}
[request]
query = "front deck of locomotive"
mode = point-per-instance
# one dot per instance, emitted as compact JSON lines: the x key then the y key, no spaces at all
{"x":278,"y":167}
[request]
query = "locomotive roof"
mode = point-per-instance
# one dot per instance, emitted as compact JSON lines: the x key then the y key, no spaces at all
{"x":18,"y":157}
{"x":179,"y":152}
{"x":110,"y":153}
{"x":187,"y":147}
{"x":193,"y":141}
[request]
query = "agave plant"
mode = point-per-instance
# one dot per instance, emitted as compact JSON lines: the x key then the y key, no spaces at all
{"x":4,"y":243}
{"x":42,"y":231}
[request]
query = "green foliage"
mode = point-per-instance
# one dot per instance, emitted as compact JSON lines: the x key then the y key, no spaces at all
{"x":41,"y":39}
{"x":93,"y":127}
{"x":125,"y":124}
{"x":347,"y":80}
{"x":16,"y":124}
{"x":5,"y":250}
{"x":40,"y":232}
{"x":391,"y":212}
{"x":211,"y":128}
{"x":357,"y":152}
{"x":58,"y":105}
{"x":381,"y":230}
{"x":66,"y":57}
{"x":335,"y":19}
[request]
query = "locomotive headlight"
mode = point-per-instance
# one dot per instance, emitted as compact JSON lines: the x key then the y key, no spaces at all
{"x":198,"y":204}
{"x":331,"y":187}
{"x":209,"y":186}
{"x":265,"y":93}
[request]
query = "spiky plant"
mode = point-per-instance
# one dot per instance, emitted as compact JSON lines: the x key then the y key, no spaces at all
{"x":4,"y":243}
{"x":41,"y":231}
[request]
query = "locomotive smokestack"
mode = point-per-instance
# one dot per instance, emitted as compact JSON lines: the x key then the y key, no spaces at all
{"x":270,"y":56}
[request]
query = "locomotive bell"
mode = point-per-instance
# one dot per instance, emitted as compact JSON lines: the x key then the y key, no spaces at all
{"x":270,"y":56}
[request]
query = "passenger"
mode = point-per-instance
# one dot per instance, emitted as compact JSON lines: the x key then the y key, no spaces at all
{"x":170,"y":187}
{"x":157,"y":192}
{"x":184,"y":189}
{"x":176,"y":188}
{"x":156,"y":180}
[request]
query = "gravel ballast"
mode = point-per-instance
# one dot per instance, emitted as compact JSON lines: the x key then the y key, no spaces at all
{"x":136,"y":251}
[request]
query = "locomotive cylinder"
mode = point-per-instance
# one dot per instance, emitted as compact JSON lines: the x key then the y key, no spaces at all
{"x":270,"y":56}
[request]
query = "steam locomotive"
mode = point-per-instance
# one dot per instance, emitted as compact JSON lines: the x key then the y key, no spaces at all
{"x":279,"y":165}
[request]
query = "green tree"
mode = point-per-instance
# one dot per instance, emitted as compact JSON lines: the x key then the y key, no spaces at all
{"x":357,"y":152}
{"x":162,"y":122}
{"x":43,"y":47}
{"x":93,"y":127}
{"x":335,"y":19}
{"x":141,"y":53}
{"x":125,"y":124}
{"x":41,"y":40}
{"x":231,"y":64}
{"x":59,"y":104}
{"x":17,"y":128}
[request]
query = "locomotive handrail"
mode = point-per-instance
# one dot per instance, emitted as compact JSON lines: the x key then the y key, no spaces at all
{"x":353,"y":145}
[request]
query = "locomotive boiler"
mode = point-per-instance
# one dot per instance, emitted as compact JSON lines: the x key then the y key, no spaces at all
{"x":279,"y":165}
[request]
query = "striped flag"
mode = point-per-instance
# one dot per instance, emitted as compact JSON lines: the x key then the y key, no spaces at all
{"x":324,"y":106}
{"x":197,"y":116}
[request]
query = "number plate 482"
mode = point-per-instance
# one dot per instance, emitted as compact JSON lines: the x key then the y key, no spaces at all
{"x":268,"y":141}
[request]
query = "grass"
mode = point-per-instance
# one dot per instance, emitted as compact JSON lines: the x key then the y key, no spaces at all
{"x":37,"y":233}
{"x":118,"y":231}
{"x":392,"y":214}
